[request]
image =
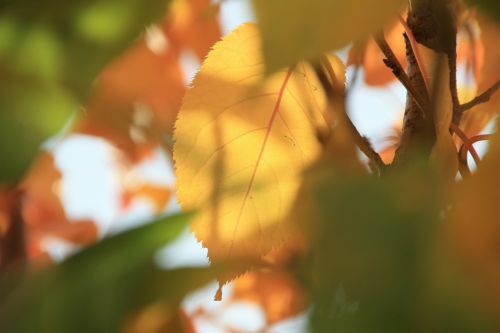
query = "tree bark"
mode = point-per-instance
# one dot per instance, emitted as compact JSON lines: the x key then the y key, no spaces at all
{"x":433,"y":25}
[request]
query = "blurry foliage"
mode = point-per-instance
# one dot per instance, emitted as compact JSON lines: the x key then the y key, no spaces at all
{"x":97,"y":288}
{"x":289,"y":35}
{"x":491,"y":7}
{"x":50,"y":53}
{"x":265,"y":152}
{"x":381,"y":263}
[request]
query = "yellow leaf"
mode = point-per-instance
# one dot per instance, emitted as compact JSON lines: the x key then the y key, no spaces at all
{"x":294,"y":30}
{"x":241,"y":142}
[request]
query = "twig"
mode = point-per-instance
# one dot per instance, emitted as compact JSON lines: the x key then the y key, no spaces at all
{"x":463,"y":165}
{"x":466,"y":141}
{"x":462,"y":154}
{"x":416,"y":52}
{"x":466,"y":146}
{"x":331,"y":88}
{"x":392,"y":62}
{"x":482,"y":98}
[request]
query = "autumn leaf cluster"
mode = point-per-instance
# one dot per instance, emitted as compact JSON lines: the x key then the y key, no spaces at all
{"x":301,"y":214}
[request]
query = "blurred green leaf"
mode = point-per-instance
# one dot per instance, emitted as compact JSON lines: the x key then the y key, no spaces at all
{"x":94,"y":290}
{"x":50,"y":53}
{"x":294,"y":30}
{"x":29,"y":114}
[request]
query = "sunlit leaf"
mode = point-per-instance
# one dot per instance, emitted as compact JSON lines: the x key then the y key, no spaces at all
{"x":295,"y":30}
{"x":241,"y":143}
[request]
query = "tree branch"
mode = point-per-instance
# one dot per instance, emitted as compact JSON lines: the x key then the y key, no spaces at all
{"x":392,"y":62}
{"x":331,"y":88}
{"x":483,"y":98}
{"x":416,"y":53}
{"x":466,"y":141}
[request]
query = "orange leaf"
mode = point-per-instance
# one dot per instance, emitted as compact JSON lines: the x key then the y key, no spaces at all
{"x":279,"y":294}
{"x":43,"y":212}
{"x":137,"y":96}
{"x":371,"y":58}
{"x":158,"y":195}
{"x":193,"y":25}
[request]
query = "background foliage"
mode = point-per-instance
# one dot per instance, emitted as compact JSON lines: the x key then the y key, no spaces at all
{"x":302,"y":216}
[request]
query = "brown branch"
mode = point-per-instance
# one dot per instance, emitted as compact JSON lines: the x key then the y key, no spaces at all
{"x":463,"y":165}
{"x":482,"y":98}
{"x":462,"y":154}
{"x":392,"y":62}
{"x":466,"y":141}
{"x":333,"y":91}
{"x":416,"y":53}
{"x":466,"y":145}
{"x":452,"y":67}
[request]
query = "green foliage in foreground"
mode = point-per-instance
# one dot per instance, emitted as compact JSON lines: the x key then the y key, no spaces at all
{"x":94,"y":290}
